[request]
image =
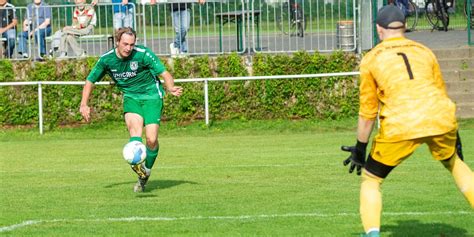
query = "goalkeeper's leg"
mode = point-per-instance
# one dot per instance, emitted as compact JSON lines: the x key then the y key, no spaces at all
{"x":370,"y":202}
{"x":384,"y":157}
{"x":447,"y":148}
{"x":463,"y":177}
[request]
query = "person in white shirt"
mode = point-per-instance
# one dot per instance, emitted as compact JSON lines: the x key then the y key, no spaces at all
{"x":83,"y":22}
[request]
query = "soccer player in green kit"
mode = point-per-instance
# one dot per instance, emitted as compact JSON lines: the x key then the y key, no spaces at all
{"x":135,"y":70}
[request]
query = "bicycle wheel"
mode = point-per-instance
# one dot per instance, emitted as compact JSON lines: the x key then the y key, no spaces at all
{"x":283,"y":19}
{"x":412,"y":16}
{"x":431,"y":15}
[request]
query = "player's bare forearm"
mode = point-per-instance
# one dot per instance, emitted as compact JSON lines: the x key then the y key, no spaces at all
{"x":86,"y":91}
{"x":169,"y":84}
{"x":169,"y":81}
{"x":84,"y":108}
{"x":364,"y":129}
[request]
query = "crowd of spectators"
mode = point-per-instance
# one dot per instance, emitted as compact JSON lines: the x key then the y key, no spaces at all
{"x":38,"y":18}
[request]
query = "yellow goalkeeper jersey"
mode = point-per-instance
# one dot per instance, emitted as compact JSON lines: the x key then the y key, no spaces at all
{"x":402,"y":78}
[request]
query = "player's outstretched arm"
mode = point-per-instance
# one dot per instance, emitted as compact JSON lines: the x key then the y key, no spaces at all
{"x":169,"y":84}
{"x":85,"y":109}
{"x":358,"y":152}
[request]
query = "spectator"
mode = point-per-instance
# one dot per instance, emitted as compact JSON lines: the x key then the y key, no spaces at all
{"x":8,"y":22}
{"x":123,"y":13}
{"x":181,"y":16}
{"x":38,"y":24}
{"x":83,"y":22}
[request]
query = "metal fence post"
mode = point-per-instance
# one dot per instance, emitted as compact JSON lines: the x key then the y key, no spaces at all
{"x":40,"y":107}
{"x":143,"y":13}
{"x":365,"y":28}
{"x":206,"y":102}
{"x":375,"y":8}
{"x":469,"y":22}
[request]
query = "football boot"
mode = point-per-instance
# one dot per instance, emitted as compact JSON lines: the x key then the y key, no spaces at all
{"x":143,"y":176}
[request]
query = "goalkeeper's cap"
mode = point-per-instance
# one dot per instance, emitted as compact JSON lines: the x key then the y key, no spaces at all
{"x":390,"y":17}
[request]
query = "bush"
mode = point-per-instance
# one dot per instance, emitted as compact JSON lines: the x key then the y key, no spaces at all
{"x":329,"y":97}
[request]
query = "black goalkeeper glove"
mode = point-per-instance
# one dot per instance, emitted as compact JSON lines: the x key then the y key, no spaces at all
{"x":357,"y":157}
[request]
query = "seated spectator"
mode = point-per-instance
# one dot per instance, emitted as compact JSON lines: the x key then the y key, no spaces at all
{"x":83,"y":22}
{"x":8,"y":22}
{"x":38,"y":24}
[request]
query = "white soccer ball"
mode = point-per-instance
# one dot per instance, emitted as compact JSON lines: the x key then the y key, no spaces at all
{"x":134,"y":152}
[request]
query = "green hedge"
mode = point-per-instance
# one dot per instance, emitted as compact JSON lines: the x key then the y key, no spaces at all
{"x":333,"y":97}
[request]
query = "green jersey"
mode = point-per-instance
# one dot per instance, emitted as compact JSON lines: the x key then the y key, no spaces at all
{"x":136,"y":76}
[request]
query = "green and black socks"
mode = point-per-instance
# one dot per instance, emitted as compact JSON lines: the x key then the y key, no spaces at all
{"x":150,"y":154}
{"x":151,"y":157}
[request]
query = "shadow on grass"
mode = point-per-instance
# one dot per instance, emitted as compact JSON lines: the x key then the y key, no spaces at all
{"x":154,"y":184}
{"x":164,"y":184}
{"x":416,"y":228}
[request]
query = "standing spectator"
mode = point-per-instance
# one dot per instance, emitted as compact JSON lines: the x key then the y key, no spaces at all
{"x":123,"y":13}
{"x":83,"y":22}
{"x":181,"y":15}
{"x":8,"y":22}
{"x":38,"y":24}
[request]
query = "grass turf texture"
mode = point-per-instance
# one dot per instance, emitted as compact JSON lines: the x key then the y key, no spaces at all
{"x":235,"y":178}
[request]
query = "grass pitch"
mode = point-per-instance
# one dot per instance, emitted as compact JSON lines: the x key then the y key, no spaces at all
{"x":278,"y":178}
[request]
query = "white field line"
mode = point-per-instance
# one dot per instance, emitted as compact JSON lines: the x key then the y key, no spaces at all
{"x":242,"y":217}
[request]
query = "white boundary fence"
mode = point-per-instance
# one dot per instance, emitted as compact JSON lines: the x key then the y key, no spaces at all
{"x":204,"y":80}
{"x":217,"y":27}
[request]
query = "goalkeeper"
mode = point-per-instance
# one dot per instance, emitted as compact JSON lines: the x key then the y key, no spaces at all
{"x":401,"y":82}
{"x":135,"y":70}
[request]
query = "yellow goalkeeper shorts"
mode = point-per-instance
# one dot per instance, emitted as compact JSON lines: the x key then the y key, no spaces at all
{"x":389,"y":153}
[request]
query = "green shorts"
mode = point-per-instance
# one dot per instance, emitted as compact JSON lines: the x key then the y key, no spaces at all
{"x":149,"y":109}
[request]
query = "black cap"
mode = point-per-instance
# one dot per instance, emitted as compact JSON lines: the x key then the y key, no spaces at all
{"x":389,"y":14}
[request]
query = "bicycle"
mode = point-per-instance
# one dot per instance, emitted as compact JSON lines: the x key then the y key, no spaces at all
{"x":290,"y":19}
{"x":437,"y":11}
{"x":411,"y":13}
